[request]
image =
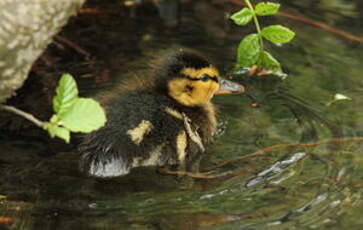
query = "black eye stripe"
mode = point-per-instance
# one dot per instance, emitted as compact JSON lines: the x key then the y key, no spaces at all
{"x":201,"y":79}
{"x":192,"y":79}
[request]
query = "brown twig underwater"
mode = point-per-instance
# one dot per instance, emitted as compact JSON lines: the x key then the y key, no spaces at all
{"x":73,"y":45}
{"x":323,"y":26}
{"x":304,"y":20}
{"x":194,"y":175}
{"x":261,"y":152}
{"x":285,"y":146}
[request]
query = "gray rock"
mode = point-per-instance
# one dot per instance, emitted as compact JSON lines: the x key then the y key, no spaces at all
{"x":26,"y":29}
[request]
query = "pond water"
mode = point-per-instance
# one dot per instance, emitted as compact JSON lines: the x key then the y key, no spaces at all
{"x":288,"y":187}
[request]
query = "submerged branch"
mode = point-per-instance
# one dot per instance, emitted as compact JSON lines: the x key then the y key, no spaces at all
{"x":305,"y":20}
{"x":322,"y":26}
{"x":73,"y":45}
{"x":285,"y":146}
{"x":195,"y":175}
{"x":206,"y":175}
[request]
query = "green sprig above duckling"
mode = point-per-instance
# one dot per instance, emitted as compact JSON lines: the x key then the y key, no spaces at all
{"x":165,"y":120}
{"x":251,"y":51}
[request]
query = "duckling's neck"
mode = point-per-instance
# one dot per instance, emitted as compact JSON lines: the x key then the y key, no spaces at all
{"x":202,"y":117}
{"x":201,"y":113}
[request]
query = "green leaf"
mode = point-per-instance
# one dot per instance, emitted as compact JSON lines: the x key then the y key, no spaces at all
{"x":66,"y":94}
{"x":242,"y":17}
{"x":277,"y":34}
{"x":57,"y":131}
{"x":50,"y":128}
{"x":86,"y":115}
{"x":248,"y":51}
{"x":267,"y":8}
{"x":54,"y":119}
{"x":269,"y":62}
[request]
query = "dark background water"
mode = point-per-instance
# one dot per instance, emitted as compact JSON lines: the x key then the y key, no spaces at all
{"x":290,"y":188}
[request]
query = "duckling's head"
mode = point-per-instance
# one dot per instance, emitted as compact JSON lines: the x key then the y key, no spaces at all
{"x":191,"y":80}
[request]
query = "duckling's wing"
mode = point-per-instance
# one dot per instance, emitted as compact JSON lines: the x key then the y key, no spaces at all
{"x":141,"y":130}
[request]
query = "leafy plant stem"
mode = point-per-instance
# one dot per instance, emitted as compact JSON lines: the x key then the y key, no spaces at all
{"x":26,"y":115}
{"x":255,"y":20}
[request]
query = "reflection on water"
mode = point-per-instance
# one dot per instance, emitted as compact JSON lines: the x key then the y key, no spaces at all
{"x":296,"y":187}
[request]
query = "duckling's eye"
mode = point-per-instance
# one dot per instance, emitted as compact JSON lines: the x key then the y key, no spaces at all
{"x":204,"y":77}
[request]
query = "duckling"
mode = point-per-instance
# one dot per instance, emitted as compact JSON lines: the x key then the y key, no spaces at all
{"x":164,"y":120}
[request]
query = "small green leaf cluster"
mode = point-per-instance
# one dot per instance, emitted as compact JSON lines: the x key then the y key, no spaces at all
{"x":250,"y":50}
{"x":73,"y":113}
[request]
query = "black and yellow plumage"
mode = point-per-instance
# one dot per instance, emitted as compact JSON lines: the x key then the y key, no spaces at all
{"x":157,"y":121}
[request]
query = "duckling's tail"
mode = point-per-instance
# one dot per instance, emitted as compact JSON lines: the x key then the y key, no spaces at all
{"x":111,"y":167}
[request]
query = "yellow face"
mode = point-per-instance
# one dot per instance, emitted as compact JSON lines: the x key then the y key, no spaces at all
{"x":196,"y":88}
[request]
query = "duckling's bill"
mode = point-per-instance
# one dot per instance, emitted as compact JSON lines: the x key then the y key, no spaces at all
{"x":229,"y":87}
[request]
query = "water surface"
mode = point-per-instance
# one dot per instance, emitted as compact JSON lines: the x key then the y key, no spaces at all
{"x":296,"y":187}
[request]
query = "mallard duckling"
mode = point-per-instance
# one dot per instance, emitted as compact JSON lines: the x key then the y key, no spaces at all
{"x":166,"y":120}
